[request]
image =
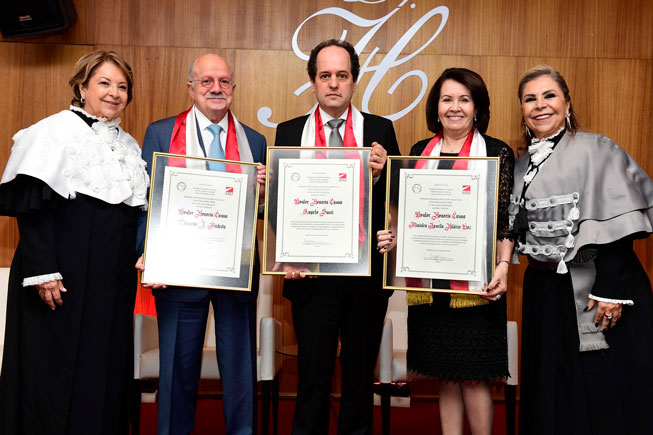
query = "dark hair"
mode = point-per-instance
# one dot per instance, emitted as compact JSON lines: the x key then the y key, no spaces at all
{"x":476,"y":86}
{"x":546,"y":70}
{"x":353,"y":57}
{"x":86,"y":67}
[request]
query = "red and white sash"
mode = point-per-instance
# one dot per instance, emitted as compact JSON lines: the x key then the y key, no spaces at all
{"x":184,"y":141}
{"x":474,"y":146}
{"x":349,"y":141}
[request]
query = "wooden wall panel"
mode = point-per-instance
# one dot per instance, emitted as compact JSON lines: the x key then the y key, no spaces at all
{"x":603,"y":47}
{"x":565,"y":28}
{"x":35,"y":81}
{"x":568,"y":28}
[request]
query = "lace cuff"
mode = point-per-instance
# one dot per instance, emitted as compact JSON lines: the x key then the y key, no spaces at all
{"x":612,"y":301}
{"x":40,"y":279}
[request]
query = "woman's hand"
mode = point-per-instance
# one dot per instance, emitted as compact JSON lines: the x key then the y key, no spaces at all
{"x":606,"y":313}
{"x":50,"y":293}
{"x":499,"y":284}
{"x":141,"y":266}
{"x":386,"y":241}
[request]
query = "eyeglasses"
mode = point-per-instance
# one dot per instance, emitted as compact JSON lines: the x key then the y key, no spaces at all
{"x":208,"y":82}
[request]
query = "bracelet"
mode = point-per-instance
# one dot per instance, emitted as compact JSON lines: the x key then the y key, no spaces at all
{"x":503,"y":261}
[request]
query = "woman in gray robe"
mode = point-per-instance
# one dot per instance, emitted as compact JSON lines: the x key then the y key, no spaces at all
{"x":578,"y":203}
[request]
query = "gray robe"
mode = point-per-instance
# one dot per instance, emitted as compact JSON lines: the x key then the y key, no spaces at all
{"x":588,"y":192}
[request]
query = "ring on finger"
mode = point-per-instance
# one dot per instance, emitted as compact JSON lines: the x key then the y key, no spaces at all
{"x":609,"y":317}
{"x":498,"y":297}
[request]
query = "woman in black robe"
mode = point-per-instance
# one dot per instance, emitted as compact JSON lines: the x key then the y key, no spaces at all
{"x":75,"y":182}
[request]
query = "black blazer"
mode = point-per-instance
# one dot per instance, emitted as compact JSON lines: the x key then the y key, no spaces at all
{"x":375,"y":129}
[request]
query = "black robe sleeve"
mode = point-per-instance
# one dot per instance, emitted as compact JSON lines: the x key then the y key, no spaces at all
{"x":32,"y":202}
{"x":615,"y":263}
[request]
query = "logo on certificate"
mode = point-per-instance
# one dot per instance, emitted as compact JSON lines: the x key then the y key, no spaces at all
{"x":181,"y":186}
{"x":417,"y":188}
{"x":467,"y":189}
{"x":228,"y":190}
{"x":295,"y":176}
{"x":342,"y":176}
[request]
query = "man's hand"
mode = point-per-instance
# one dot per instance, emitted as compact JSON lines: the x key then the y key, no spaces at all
{"x":378,"y":157}
{"x":141,"y":266}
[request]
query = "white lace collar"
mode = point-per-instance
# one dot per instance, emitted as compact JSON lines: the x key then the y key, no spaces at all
{"x":115,"y":122}
{"x":540,"y":149}
{"x":103,"y":162}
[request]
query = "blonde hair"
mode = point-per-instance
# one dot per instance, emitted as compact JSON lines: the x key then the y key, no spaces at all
{"x":86,"y":66}
{"x":547,"y":70}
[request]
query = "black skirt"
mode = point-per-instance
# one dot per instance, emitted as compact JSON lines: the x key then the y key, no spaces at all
{"x":69,"y":370}
{"x":565,"y":391}
{"x":458,"y":344}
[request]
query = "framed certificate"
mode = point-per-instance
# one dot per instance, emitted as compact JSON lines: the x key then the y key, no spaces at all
{"x":317,"y":211}
{"x":445,"y":221}
{"x":201,"y":223}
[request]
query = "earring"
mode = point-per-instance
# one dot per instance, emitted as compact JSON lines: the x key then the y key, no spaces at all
{"x":568,"y":120}
{"x":437,"y":119}
{"x":528,"y":131}
{"x":82,"y":100}
{"x":474,"y":119}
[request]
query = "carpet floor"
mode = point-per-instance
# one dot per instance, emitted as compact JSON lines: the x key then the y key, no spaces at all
{"x":421,"y":418}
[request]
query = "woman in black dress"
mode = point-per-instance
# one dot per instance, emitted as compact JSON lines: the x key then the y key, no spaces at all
{"x":457,"y":338}
{"x":587,"y":332}
{"x":75,"y":182}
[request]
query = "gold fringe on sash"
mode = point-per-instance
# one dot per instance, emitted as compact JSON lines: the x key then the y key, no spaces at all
{"x":418,"y":298}
{"x":457,"y":300}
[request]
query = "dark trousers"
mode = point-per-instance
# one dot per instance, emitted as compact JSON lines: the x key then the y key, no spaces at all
{"x":325,"y":309}
{"x":182,"y":327}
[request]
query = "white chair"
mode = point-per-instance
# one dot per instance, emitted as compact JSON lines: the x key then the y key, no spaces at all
{"x":391,"y":367}
{"x":4,"y":281}
{"x":146,"y":357}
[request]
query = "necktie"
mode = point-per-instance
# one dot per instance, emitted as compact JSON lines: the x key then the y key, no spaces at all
{"x":215,"y":150}
{"x":335,"y":140}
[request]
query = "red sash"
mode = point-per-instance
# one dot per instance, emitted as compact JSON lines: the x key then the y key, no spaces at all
{"x":458,"y":164}
{"x":464,"y":151}
{"x":349,"y":141}
{"x":178,"y":143}
{"x":144,"y":303}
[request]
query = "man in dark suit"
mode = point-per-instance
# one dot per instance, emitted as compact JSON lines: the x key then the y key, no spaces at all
{"x":182,"y":312}
{"x":327,"y":308}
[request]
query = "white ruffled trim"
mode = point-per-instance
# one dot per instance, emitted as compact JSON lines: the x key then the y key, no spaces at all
{"x":539,"y":150}
{"x":535,"y":141}
{"x":103,"y":162}
{"x":40,"y":279}
{"x":115,"y":121}
{"x":612,"y":301}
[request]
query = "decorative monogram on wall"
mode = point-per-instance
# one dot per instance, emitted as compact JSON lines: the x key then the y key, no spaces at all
{"x":388,"y":61}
